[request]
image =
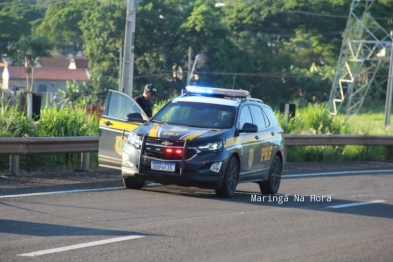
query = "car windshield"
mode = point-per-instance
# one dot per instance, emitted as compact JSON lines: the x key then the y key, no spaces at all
{"x":197,"y":115}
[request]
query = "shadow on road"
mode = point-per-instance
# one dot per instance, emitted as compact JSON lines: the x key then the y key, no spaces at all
{"x":47,"y":230}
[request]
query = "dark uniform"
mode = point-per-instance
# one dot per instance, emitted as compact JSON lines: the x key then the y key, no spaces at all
{"x":146,"y":105}
{"x":150,"y":91}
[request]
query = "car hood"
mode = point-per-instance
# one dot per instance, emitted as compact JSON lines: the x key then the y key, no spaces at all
{"x":177,"y":132}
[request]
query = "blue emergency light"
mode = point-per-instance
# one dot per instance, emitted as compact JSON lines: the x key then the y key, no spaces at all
{"x":212,"y":91}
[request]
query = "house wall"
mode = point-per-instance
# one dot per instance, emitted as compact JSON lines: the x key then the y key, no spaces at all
{"x":4,"y":77}
{"x":51,"y":86}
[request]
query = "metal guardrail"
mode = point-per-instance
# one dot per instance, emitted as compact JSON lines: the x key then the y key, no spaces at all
{"x":325,"y":140}
{"x":47,"y":145}
{"x":336,"y":140}
{"x":50,"y":145}
{"x":15,"y":147}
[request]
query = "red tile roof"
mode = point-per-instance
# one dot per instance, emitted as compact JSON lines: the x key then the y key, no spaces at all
{"x":63,"y":62}
{"x":81,"y":62}
{"x":61,"y":74}
{"x":55,"y":61}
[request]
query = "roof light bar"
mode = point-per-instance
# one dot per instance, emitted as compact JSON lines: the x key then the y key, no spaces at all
{"x":211,"y":91}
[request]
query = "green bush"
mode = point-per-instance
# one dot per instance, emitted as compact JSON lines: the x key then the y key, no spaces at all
{"x":62,"y":122}
{"x":13,"y":123}
{"x":313,"y":119}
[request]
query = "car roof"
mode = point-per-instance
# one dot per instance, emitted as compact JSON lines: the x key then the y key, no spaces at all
{"x":209,"y":100}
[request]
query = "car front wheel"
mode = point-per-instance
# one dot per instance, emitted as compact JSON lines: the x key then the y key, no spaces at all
{"x":231,"y":178}
{"x":273,"y":183}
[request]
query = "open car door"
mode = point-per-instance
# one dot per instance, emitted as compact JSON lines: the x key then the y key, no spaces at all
{"x":113,"y":123}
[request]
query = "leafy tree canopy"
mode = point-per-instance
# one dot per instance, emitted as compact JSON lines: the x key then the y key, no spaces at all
{"x":16,"y":19}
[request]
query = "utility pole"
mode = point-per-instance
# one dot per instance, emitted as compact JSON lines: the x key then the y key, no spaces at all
{"x":120,"y":68}
{"x":128,"y":61}
{"x":388,"y":104}
{"x":197,"y":57}
{"x":189,"y":66}
{"x":29,"y":94}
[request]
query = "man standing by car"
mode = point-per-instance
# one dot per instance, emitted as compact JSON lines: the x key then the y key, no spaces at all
{"x":145,"y":99}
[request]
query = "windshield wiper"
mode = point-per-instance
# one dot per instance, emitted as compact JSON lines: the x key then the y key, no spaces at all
{"x":190,"y":125}
{"x":159,"y":122}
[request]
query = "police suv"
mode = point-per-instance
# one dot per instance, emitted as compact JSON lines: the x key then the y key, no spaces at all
{"x":207,"y":137}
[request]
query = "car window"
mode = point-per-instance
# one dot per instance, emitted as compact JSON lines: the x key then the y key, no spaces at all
{"x":245,"y":117}
{"x":270,"y":115}
{"x":197,"y":114}
{"x":266,"y":119}
{"x":121,"y":105}
{"x":258,"y":116}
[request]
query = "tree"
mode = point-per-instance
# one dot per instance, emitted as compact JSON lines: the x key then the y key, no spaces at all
{"x":102,"y":29}
{"x":27,"y":50}
{"x":16,"y":19}
{"x":61,"y":21}
{"x":72,"y":94}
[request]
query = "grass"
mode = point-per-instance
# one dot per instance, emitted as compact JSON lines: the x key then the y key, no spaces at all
{"x":315,"y":119}
{"x":368,"y":123}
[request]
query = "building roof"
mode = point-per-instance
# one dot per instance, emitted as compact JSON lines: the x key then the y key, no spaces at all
{"x":63,"y":62}
{"x":55,"y":61}
{"x":81,"y":62}
{"x":53,"y":74}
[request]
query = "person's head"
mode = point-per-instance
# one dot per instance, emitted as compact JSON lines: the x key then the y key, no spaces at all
{"x":150,"y":92}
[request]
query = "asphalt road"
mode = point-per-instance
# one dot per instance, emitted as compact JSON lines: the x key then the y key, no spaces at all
{"x":336,"y":214}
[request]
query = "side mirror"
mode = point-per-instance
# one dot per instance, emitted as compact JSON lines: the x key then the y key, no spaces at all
{"x":134,"y":117}
{"x":249,"y":128}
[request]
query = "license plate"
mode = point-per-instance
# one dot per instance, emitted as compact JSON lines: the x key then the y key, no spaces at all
{"x":163,"y":166}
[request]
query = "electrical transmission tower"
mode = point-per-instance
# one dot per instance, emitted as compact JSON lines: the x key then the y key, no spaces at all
{"x":359,"y":61}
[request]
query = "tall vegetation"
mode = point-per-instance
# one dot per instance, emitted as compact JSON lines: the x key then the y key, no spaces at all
{"x":54,"y":122}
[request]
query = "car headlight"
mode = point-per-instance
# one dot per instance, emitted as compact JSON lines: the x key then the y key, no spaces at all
{"x":211,"y":146}
{"x":135,"y":140}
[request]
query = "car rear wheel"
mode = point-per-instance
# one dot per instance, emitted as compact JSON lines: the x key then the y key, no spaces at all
{"x":273,"y":183}
{"x":132,"y":183}
{"x":231,"y":178}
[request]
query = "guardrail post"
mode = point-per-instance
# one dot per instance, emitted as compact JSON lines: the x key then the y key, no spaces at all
{"x":85,"y":161}
{"x":14,"y":165}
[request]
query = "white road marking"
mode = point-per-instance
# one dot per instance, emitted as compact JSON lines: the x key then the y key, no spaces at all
{"x":357,"y":204}
{"x":368,"y":195}
{"x":157,"y":184}
{"x":78,"y":246}
{"x":339,"y":173}
{"x":63,"y":192}
{"x":73,"y":191}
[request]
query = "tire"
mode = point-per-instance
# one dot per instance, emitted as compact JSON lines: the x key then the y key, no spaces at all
{"x":132,"y":183}
{"x":272,"y":185}
{"x":231,"y":178}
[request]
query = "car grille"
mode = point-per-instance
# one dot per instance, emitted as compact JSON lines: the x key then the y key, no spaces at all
{"x":155,"y":148}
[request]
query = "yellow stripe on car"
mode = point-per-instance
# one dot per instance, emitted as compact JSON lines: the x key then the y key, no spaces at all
{"x":192,"y":135}
{"x":154,"y":131}
{"x":118,"y":125}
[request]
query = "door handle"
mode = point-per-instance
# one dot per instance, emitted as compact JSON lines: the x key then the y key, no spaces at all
{"x":256,"y":137}
{"x":272,"y":133}
{"x":108,"y":123}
